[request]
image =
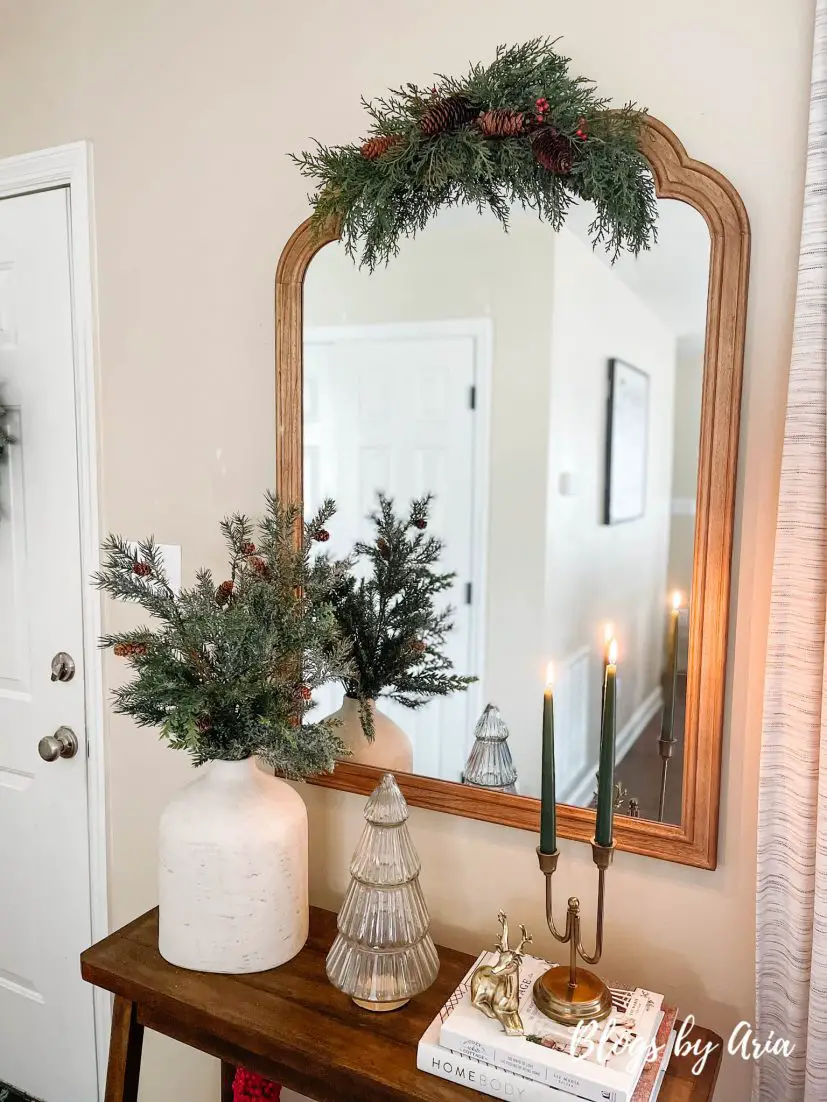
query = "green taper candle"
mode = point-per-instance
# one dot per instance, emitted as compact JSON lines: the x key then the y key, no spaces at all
{"x":667,"y":729}
{"x":548,"y":793}
{"x":606,"y":775}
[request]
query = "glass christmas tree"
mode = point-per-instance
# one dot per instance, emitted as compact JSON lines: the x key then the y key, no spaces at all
{"x":490,"y":764}
{"x":383,"y":953}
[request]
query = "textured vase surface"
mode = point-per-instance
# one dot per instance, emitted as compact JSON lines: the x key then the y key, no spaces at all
{"x":232,"y":887}
{"x":391,"y":749}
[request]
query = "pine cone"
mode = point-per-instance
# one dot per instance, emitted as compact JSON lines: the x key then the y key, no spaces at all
{"x":304,"y":692}
{"x":223,"y":592}
{"x":376,"y":147}
{"x":260,"y":566}
{"x":447,"y":114}
{"x":383,"y":547}
{"x":500,"y":122}
{"x":121,"y":650}
{"x":553,"y":151}
{"x":248,"y":548}
{"x":321,"y":536}
{"x":204,"y":723}
{"x":142,"y":569}
{"x":418,"y":647}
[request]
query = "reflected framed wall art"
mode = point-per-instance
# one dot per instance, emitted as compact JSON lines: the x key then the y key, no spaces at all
{"x":627,"y":443}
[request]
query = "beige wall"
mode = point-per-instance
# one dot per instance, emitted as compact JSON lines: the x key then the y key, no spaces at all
{"x":192,"y":106}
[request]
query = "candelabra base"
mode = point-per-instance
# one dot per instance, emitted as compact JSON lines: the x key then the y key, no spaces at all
{"x":589,"y":1001}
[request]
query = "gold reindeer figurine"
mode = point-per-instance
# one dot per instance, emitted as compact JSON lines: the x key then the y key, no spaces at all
{"x":495,"y":988}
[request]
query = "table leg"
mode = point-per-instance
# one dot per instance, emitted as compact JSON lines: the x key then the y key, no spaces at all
{"x":227,"y":1077}
{"x":125,"y":1047}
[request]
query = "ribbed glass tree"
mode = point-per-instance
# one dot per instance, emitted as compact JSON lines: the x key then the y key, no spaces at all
{"x":490,"y":764}
{"x":383,"y":954}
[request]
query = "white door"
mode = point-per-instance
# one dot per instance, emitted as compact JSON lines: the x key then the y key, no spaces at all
{"x":394,"y":408}
{"x":47,"y":1043}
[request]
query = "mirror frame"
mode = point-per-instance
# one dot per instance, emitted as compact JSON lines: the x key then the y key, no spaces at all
{"x":695,"y":841}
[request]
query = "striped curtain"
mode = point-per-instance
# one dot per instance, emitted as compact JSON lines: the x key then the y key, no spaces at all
{"x":791,"y":920}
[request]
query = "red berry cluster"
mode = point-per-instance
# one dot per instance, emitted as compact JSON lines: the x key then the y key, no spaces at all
{"x":581,"y":131}
{"x":129,"y":650}
{"x":250,"y":1087}
{"x":542,"y":106}
{"x":141,"y":569}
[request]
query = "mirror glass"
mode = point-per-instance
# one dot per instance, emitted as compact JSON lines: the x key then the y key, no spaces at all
{"x":550,"y":401}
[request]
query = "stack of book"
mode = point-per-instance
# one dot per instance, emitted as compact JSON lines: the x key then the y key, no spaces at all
{"x":622,"y":1059}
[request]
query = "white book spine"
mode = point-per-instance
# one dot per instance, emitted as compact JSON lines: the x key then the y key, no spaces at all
{"x":484,"y":1078}
{"x":565,"y":1082}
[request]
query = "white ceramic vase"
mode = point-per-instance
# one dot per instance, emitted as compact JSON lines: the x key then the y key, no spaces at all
{"x":232,"y":889}
{"x":391,"y":749}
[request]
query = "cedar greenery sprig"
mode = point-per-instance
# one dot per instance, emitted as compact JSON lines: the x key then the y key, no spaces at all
{"x":436,"y":151}
{"x":389,"y":616}
{"x":230,"y":670}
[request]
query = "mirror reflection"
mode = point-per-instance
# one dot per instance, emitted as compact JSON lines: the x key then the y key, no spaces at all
{"x":550,"y":402}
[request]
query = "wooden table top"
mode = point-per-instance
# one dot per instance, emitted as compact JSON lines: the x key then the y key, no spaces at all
{"x":291,"y":1025}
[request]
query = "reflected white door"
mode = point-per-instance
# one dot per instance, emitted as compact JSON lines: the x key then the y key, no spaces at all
{"x":47,"y":1043}
{"x":395,"y":408}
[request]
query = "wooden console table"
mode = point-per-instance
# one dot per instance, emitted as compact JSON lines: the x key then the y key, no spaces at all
{"x":292,"y":1026}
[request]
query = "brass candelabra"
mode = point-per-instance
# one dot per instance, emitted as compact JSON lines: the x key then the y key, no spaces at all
{"x":666,"y":746}
{"x":568,"y":993}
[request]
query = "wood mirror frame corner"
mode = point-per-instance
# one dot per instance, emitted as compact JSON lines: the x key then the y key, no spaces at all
{"x":695,"y":841}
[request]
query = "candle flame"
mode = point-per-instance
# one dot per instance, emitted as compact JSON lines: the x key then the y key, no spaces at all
{"x":677,"y":600}
{"x":608,"y":633}
{"x":613,"y":652}
{"x":550,"y":675}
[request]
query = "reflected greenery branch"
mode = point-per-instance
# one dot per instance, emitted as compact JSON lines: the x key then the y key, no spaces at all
{"x":389,"y":615}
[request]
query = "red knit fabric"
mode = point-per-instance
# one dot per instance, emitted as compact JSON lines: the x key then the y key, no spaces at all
{"x":249,"y":1087}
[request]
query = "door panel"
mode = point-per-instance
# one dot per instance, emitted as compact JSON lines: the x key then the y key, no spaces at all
{"x":403,"y":394}
{"x":47,"y":1045}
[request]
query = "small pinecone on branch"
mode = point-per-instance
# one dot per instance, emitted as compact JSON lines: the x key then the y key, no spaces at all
{"x":501,"y":122}
{"x":553,"y":151}
{"x":376,"y":147}
{"x":447,"y":114}
{"x":222,"y":594}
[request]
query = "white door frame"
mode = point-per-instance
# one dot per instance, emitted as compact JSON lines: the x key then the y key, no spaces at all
{"x":71,"y":166}
{"x":481,"y":330}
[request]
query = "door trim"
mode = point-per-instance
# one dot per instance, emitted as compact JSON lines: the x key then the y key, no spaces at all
{"x":71,"y":166}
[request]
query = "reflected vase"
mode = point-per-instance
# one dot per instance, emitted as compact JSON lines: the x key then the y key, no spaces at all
{"x":233,"y":883}
{"x":391,"y":749}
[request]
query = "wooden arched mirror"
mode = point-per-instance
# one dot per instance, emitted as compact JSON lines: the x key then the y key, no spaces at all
{"x":578,"y":423}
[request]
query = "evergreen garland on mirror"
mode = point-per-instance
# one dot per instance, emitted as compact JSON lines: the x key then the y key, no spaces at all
{"x":231,"y":669}
{"x":390,"y":617}
{"x":520,"y":130}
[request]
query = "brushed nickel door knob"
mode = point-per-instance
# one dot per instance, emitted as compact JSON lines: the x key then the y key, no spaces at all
{"x":62,"y":744}
{"x":63,"y":667}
